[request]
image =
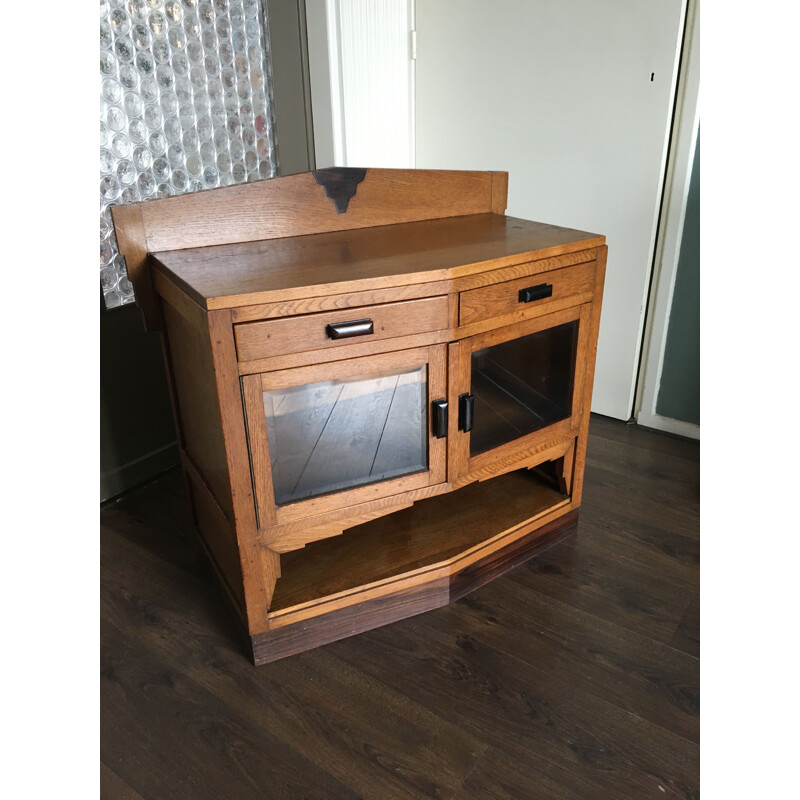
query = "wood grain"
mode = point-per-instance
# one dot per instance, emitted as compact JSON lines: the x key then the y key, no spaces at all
{"x":430,"y":532}
{"x":476,"y":305}
{"x":129,"y":228}
{"x":219,"y":540}
{"x":410,"y":600}
{"x":295,"y":205}
{"x":523,"y":269}
{"x":369,"y":613}
{"x":527,"y":453}
{"x":298,"y":334}
{"x":301,"y":614}
{"x":545,"y":715}
{"x":355,"y":350}
{"x":499,"y":192}
{"x":112,"y":787}
{"x":336,"y":302}
{"x":260,"y":566}
{"x":260,"y":464}
{"x":286,"y":536}
{"x":400,"y":360}
{"x":590,"y":359}
{"x":195,"y":396}
{"x":299,"y":267}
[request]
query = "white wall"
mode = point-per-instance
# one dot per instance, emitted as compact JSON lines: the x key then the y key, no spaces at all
{"x":556,"y":92}
{"x":559,"y":94}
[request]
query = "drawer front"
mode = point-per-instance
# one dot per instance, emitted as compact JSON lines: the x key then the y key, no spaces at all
{"x":531,"y":292}
{"x":339,"y":328}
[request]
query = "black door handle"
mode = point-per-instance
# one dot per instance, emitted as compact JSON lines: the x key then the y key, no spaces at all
{"x":439,"y":418}
{"x":344,"y":330}
{"x":466,"y":407}
{"x":538,"y":292}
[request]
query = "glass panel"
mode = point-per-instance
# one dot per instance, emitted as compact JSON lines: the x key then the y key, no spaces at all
{"x":334,"y":435}
{"x":522,"y":385}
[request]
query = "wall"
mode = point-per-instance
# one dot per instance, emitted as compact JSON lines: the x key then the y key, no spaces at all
{"x":679,"y":390}
{"x":137,"y":435}
{"x":574,"y":99}
{"x":290,"y":85}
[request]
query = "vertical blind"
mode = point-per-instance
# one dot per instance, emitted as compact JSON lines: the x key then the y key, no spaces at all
{"x":185,"y":104}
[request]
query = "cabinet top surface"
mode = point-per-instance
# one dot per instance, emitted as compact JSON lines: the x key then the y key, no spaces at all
{"x":233,"y":275}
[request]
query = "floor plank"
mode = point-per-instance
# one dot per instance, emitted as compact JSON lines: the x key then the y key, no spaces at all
{"x":574,"y":676}
{"x":546,"y":720}
{"x":645,"y":602}
{"x":321,"y":710}
{"x":112,"y":787}
{"x":500,"y":777}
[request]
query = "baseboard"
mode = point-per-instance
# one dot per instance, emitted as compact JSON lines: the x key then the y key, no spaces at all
{"x":121,"y":479}
{"x":668,"y":425}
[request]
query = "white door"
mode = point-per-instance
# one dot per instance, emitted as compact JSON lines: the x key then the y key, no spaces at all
{"x":573,"y":98}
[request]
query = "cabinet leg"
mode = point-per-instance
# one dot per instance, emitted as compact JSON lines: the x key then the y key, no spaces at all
{"x":565,"y":471}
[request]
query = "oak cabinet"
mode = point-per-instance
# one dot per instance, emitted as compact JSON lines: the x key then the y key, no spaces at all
{"x":381,"y":385}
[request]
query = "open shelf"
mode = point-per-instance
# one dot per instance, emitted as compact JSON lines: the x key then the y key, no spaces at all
{"x":429,"y":532}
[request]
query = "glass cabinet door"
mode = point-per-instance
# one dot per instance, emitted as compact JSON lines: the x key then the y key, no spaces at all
{"x":515,"y":388}
{"x":522,"y":385}
{"x":337,"y":434}
{"x":342,"y":433}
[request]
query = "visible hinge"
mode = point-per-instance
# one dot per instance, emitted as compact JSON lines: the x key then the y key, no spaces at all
{"x":413,"y":45}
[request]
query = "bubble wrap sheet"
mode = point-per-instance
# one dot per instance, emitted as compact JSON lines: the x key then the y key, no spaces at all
{"x":185,"y":104}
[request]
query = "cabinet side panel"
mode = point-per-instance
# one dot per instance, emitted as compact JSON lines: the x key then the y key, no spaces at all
{"x":195,"y":394}
{"x":220,"y":542}
{"x":583,"y":433}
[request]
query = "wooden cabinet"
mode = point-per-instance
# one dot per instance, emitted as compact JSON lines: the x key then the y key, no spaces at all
{"x":381,"y":385}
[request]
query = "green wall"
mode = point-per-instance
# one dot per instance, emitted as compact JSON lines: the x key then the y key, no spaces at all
{"x":679,"y":391}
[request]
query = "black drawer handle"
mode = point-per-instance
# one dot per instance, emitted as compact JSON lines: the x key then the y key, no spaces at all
{"x":538,"y":292}
{"x":466,"y":406}
{"x":344,"y":330}
{"x":439,"y":421}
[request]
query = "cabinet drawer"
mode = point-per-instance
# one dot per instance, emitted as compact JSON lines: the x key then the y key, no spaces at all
{"x":540,"y":290}
{"x":318,"y":331}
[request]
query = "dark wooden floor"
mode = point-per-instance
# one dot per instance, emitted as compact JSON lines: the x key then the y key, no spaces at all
{"x":574,"y":676}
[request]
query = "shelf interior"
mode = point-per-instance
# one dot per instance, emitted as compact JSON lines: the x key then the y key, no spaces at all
{"x":338,"y":434}
{"x":431,"y":531}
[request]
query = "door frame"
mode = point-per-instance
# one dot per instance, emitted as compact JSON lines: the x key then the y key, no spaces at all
{"x":375,"y":28}
{"x":683,"y":143}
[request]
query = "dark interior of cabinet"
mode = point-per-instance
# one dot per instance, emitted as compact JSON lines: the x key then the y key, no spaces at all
{"x":522,"y":386}
{"x":430,"y":531}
